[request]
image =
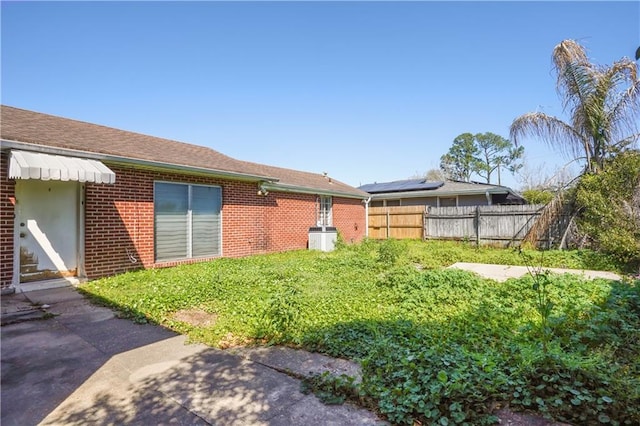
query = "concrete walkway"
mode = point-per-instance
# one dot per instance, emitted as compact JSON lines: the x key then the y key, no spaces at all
{"x":502,"y":273}
{"x":66,"y":361}
{"x":85,"y":366}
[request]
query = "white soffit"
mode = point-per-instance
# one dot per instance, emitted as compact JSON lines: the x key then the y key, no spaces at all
{"x":35,"y":165}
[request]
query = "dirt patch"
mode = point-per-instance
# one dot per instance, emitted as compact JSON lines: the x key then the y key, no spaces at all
{"x":230,"y":340}
{"x":196,"y":317}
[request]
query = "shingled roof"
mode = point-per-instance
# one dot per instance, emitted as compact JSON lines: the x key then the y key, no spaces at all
{"x":43,"y":130}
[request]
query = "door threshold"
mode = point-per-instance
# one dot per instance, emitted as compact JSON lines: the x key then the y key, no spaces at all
{"x":47,"y":284}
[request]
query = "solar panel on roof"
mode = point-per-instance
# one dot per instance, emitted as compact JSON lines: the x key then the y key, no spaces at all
{"x":401,"y":185}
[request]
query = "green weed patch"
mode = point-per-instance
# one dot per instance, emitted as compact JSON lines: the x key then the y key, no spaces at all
{"x":437,"y":346}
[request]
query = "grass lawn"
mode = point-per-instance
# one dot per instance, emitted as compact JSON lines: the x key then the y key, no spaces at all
{"x":436,"y":346}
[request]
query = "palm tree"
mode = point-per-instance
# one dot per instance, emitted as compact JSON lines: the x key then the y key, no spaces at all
{"x":603,"y":104}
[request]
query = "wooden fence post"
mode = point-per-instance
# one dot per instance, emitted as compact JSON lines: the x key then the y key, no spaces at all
{"x":388,"y":224}
{"x":477,"y":226}
{"x":425,"y":224}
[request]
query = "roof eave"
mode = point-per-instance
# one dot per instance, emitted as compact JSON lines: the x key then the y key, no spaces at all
{"x":156,"y":165}
{"x":436,"y":193}
{"x":283,"y":187}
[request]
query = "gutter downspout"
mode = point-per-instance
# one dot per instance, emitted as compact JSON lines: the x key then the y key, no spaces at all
{"x":366,"y":216}
{"x":488,"y":198}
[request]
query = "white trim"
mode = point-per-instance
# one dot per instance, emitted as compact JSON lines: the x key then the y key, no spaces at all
{"x":366,"y":216}
{"x":321,"y":214}
{"x":17,"y":217}
{"x":80,"y":270}
{"x":189,"y":222}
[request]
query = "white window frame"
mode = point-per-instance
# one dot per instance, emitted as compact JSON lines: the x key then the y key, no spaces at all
{"x":189,"y":222}
{"x":324,"y":211}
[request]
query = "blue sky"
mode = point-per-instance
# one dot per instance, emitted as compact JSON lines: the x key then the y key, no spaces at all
{"x":366,"y":91}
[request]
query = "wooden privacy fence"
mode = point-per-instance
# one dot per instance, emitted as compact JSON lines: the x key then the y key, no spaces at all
{"x":500,"y":225}
{"x":396,"y":222}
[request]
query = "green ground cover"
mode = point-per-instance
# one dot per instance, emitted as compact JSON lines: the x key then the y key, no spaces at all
{"x":436,"y":346}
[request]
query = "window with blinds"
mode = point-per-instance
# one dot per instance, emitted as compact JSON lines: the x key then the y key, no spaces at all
{"x":187,"y":221}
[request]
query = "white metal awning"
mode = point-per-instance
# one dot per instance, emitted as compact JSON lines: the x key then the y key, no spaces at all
{"x":36,"y":165}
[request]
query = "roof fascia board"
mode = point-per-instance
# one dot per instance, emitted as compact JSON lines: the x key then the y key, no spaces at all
{"x":7,"y":144}
{"x":281,"y":187}
{"x":431,"y":193}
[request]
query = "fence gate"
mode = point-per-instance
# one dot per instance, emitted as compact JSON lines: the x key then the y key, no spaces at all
{"x":396,"y":222}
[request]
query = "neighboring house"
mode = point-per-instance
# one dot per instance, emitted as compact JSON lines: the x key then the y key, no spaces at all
{"x":418,"y":192}
{"x":86,"y":201}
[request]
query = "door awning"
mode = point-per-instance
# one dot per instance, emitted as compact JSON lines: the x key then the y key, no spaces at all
{"x":36,"y":165}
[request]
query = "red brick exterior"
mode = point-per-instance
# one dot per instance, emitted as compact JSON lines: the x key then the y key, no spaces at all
{"x":7,"y":198}
{"x":348,"y":217}
{"x":119,"y":220}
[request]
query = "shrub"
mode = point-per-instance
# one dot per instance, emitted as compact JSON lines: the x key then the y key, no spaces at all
{"x":610,"y":208}
{"x":281,"y":313}
{"x":418,"y":380}
{"x":574,"y":389}
{"x":390,"y":250}
{"x":538,"y":196}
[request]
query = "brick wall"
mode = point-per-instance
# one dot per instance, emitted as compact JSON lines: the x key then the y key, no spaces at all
{"x":7,"y":197}
{"x":349,"y":218}
{"x":119,"y":220}
{"x":243,"y":219}
{"x":288,"y":219}
{"x":119,"y":224}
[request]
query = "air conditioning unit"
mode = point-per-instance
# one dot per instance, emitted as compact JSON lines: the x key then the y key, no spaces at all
{"x":322,"y":238}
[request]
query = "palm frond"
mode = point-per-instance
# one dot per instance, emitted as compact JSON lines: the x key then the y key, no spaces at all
{"x":624,"y":111}
{"x":626,"y":142}
{"x":553,"y":131}
{"x":568,"y":51}
{"x":573,"y":71}
{"x":549,"y":216}
{"x":603,"y":103}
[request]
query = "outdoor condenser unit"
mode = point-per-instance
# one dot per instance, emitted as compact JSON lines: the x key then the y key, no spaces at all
{"x":322,"y":238}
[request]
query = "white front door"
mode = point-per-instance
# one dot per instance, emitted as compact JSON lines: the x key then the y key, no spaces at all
{"x":47,"y":223}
